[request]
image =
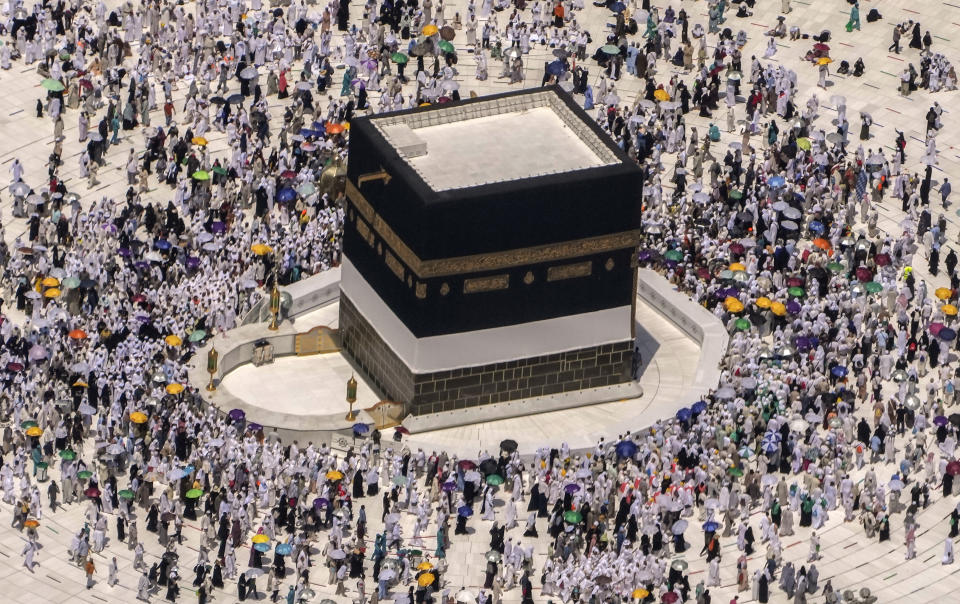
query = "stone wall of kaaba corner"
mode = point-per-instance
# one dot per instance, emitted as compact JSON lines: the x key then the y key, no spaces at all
{"x":466,"y":387}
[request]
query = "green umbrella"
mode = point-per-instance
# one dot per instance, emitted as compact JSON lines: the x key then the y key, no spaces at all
{"x":196,"y":335}
{"x":70,"y":283}
{"x":446,"y":46}
{"x":52,"y":85}
{"x":494,"y":479}
{"x":399,"y":58}
{"x":84,"y":474}
{"x":734,"y":471}
{"x":610,"y":49}
{"x":125,"y":494}
{"x":194,"y":494}
{"x":27,"y":424}
{"x":735,"y":194}
{"x":64,"y":55}
{"x":873,"y":287}
{"x":804,"y":143}
{"x":573,"y":516}
{"x":835,"y":267}
{"x":68,"y":454}
{"x":796,"y":292}
{"x":675,"y":255}
{"x":201,"y":175}
{"x":219,"y":170}
{"x":306,"y":188}
{"x":742,"y":324}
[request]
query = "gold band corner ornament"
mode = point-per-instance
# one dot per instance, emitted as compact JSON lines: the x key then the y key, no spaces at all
{"x":381,"y":174}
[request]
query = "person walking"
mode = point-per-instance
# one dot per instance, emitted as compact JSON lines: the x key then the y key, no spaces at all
{"x":895,"y":47}
{"x":89,"y":568}
{"x":945,"y":190}
{"x":854,"y":22}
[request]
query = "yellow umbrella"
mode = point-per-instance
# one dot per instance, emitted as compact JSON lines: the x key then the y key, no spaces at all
{"x":824,"y":61}
{"x":738,"y":266}
{"x":173,"y":340}
{"x":51,"y":293}
{"x":138,"y":417}
{"x":763,"y":302}
{"x":260,"y":538}
{"x":426,"y":579}
{"x":943,"y":293}
{"x":261,"y":249}
{"x":424,"y":566}
{"x":174,"y":388}
{"x":778,"y":308}
{"x":80,"y":384}
{"x":34,"y":431}
{"x":732,"y":304}
{"x":50,"y":282}
{"x":640,"y":593}
{"x":430,"y":30}
{"x":661,"y":95}
{"x":949,"y":309}
{"x":199,"y":140}
{"x":334,"y":475}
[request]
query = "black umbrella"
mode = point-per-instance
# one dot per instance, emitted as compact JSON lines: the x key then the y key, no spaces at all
{"x":218,"y":100}
{"x":235,"y":99}
{"x":508,"y":445}
{"x":489,"y":466}
{"x":954,"y":419}
{"x":278,"y":12}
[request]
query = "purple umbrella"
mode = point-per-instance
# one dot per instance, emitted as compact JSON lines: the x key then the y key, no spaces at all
{"x":940,"y":420}
{"x":571,"y":488}
{"x":449,"y":486}
{"x":254,"y":427}
{"x":802,"y":343}
{"x":193,"y":262}
{"x":124,"y":251}
{"x":218,"y":227}
{"x":237,"y":414}
{"x":320,"y":503}
{"x":793,"y":307}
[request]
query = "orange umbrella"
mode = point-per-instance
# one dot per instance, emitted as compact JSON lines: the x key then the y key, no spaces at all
{"x":50,"y":282}
{"x":430,"y":30}
{"x":138,"y":417}
{"x":738,"y":266}
{"x":763,"y":302}
{"x":78,"y":334}
{"x":949,"y":309}
{"x":334,"y":128}
{"x":943,"y":293}
{"x":661,"y":95}
{"x":823,"y":244}
{"x":778,"y":308}
{"x":34,"y":431}
{"x":174,"y":388}
{"x":732,"y":304}
{"x":31,"y":523}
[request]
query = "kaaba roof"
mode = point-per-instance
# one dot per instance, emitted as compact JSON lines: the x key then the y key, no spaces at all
{"x":496,"y":139}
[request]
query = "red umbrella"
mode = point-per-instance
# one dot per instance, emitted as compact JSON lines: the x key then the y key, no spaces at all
{"x":882,"y":259}
{"x":92,"y":492}
{"x":703,"y":273}
{"x":669,"y":597}
{"x":864,"y":274}
{"x":14,"y":366}
{"x":288,"y":174}
{"x":466,"y":464}
{"x":821,"y":46}
{"x":953,"y":468}
{"x":736,"y":248}
{"x":795,"y":282}
{"x":86,"y":85}
{"x":401,"y":430}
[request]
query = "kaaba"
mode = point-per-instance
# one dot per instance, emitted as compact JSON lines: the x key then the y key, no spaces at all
{"x":488,"y":252}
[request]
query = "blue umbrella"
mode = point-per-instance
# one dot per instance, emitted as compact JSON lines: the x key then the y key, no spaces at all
{"x":361,"y":428}
{"x":684,"y":414}
{"x":947,"y":334}
{"x":839,"y":370}
{"x":699,"y":407}
{"x":262,"y":547}
{"x":465,"y":511}
{"x":626,"y":449}
{"x":776,"y":181}
{"x":286,"y":194}
{"x":555,"y":68}
{"x":284,"y":549}
{"x":769,"y":446}
{"x":449,"y":486}
{"x":618,"y":7}
{"x":710,"y":526}
{"x":816,"y":226}
{"x":162,"y":244}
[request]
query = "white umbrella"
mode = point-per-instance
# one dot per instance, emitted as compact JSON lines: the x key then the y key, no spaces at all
{"x":337,"y":554}
{"x":86,"y":409}
{"x":115,"y":449}
{"x":465,"y":595}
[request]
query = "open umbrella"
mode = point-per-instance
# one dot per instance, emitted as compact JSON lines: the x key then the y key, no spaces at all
{"x":626,"y":449}
{"x":679,"y":526}
{"x":465,"y":511}
{"x":572,"y":516}
{"x":52,"y":85}
{"x":509,"y":445}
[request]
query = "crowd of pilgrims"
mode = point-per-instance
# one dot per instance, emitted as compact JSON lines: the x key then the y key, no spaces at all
{"x":838,"y":383}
